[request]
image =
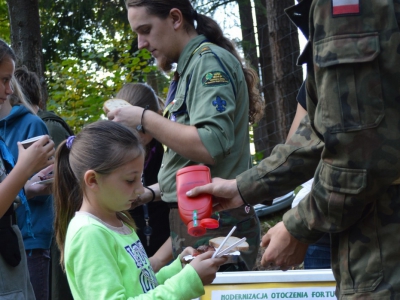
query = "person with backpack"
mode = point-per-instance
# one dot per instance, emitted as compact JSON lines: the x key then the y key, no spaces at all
{"x":58,"y":129}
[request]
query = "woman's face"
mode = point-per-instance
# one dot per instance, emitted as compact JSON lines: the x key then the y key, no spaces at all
{"x":6,"y":72}
{"x":156,"y":35}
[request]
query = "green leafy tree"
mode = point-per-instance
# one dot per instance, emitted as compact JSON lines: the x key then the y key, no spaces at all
{"x":4,"y":22}
{"x":89,"y":52}
{"x":79,"y":86}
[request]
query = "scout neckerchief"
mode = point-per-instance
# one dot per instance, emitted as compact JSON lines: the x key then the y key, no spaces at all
{"x":173,"y":87}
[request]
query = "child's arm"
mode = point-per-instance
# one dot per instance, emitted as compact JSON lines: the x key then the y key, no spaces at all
{"x":100,"y":267}
{"x":162,"y":257}
{"x":36,"y":157}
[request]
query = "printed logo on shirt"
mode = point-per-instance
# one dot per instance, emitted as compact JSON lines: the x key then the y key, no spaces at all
{"x":345,"y":7}
{"x":147,"y":278}
{"x":215,"y":78}
{"x":219,"y":104}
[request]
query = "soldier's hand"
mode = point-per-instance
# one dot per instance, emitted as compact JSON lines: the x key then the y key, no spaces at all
{"x":283,"y":250}
{"x":225,"y":193}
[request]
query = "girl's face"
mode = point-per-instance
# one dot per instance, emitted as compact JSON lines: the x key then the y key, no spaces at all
{"x":119,"y":189}
{"x":6,"y":72}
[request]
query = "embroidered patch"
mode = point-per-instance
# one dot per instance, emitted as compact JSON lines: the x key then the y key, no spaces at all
{"x":215,"y":78}
{"x":345,"y":7}
{"x":219,"y":104}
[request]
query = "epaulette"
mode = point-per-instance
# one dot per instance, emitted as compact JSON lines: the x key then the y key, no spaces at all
{"x":204,"y":49}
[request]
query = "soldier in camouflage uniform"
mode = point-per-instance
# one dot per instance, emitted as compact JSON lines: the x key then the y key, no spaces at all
{"x":353,"y":103}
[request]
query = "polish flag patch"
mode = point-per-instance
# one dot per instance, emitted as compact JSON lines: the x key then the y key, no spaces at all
{"x":345,"y":7}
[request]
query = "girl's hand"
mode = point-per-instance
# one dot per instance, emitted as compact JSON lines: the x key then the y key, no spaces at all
{"x":207,"y":267}
{"x":38,"y":156}
{"x":33,"y":189}
{"x":187,"y":251}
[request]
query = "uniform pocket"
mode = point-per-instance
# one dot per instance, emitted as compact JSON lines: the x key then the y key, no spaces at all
{"x":355,"y":247}
{"x":339,"y":184}
{"x":348,"y":77}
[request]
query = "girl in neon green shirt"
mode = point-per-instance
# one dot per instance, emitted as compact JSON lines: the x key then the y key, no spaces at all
{"x":97,"y":178}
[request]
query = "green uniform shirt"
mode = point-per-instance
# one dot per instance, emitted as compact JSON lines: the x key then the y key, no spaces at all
{"x":212,"y":95}
{"x":217,"y":103}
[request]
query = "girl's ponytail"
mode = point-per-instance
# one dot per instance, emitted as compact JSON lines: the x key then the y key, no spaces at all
{"x":67,"y":196}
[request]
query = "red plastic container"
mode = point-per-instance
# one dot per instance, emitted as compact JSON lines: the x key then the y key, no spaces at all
{"x":195,"y":212}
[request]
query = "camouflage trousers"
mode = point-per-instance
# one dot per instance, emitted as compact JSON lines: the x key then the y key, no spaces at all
{"x":247,"y":226}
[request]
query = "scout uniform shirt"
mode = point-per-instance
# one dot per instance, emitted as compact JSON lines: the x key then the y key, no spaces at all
{"x":216,"y":102}
{"x":212,"y":95}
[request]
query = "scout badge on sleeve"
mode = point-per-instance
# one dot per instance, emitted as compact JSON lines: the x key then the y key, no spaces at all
{"x":345,"y":7}
{"x":215,"y":78}
{"x":219,"y":104}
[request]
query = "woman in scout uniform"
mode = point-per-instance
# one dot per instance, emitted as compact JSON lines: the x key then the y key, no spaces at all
{"x":211,"y":101}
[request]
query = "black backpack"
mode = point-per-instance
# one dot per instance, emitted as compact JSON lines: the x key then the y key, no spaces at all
{"x":51,"y":116}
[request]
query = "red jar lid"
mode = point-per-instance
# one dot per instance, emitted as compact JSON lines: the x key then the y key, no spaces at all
{"x":194,"y":168}
{"x":198,"y":230}
{"x":209,"y":223}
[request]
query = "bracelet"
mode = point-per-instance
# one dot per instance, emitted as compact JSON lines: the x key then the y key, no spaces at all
{"x":140,"y":127}
{"x":244,"y":201}
{"x":151,"y":190}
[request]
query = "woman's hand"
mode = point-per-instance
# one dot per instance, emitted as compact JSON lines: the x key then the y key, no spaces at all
{"x":129,"y":116}
{"x":147,"y":196}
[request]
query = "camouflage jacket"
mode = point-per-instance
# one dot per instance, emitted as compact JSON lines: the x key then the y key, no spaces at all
{"x":353,"y":102}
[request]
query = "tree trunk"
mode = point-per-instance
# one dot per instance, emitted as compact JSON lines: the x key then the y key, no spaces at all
{"x":264,"y":130}
{"x":280,"y":74}
{"x":26,"y":39}
{"x":247,"y":26}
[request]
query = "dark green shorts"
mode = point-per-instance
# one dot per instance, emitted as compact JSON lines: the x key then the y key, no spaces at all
{"x":247,"y":226}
